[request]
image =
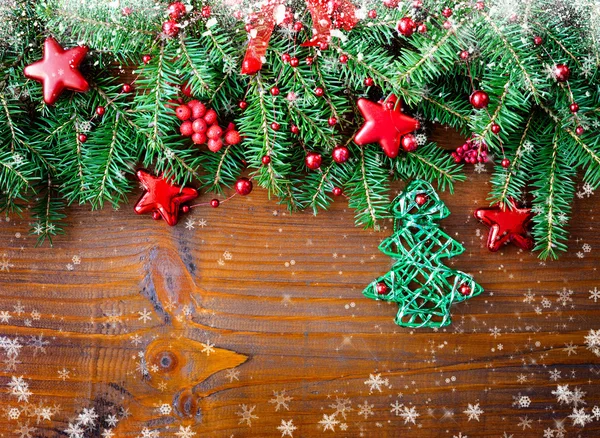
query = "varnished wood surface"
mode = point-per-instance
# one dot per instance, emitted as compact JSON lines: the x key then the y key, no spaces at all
{"x":125,"y":315}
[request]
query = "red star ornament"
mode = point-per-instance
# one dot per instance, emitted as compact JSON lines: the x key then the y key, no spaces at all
{"x":163,"y":196}
{"x":384,"y":126}
{"x":58,"y":70}
{"x":507,"y":224}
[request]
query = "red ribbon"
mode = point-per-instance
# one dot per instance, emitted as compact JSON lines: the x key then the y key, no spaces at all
{"x":326,"y":14}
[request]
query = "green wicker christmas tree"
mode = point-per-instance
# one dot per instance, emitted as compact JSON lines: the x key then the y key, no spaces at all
{"x":419,"y":282}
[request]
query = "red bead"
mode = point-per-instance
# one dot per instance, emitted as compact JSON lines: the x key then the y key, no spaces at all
{"x":332,"y":121}
{"x":294,"y":62}
{"x":183,"y":112}
{"x":170,"y":28}
{"x":100,"y":110}
{"x":295,"y":130}
{"x":200,"y":138}
{"x":537,"y":40}
{"x":126,"y":88}
{"x":372,"y":14}
{"x":495,"y":128}
{"x":480,"y":6}
{"x":579,"y":130}
{"x":199,"y":125}
{"x":176,"y":10}
{"x":275,"y":91}
{"x":275,"y":126}
{"x":561,"y":73}
{"x":185,"y":208}
{"x":265,"y":160}
{"x":232,"y":137}
{"x":447,"y":12}
{"x":214,"y":144}
{"x":82,"y":138}
{"x":313,"y":160}
{"x":186,"y":128}
{"x":406,"y":26}
{"x":214,"y":203}
{"x":465,"y":290}
{"x":243,"y":186}
{"x":409,"y":143}
{"x":422,"y":28}
{"x":210,"y":117}
{"x":336,"y":191}
{"x":369,"y":82}
{"x":479,"y":99}
{"x":206,"y":11}
{"x":417,"y":4}
{"x":574,"y":107}
{"x":343,"y":58}
{"x":309,"y":60}
{"x":382,"y":288}
{"x":243,"y":105}
{"x":505,"y":163}
{"x":340,"y":154}
{"x":319,"y":91}
{"x":146,"y":59}
{"x":298,"y":26}
{"x":214,"y":132}
{"x":391,"y":3}
{"x":323,"y":45}
{"x":421,"y":199}
{"x":464,"y":55}
{"x":447,"y":24}
{"x":286,"y":57}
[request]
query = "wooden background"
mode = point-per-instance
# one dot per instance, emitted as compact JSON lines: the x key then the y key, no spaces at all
{"x":250,"y":319}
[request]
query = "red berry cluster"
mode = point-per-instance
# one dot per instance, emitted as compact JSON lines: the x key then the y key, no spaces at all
{"x":473,"y":151}
{"x":200,"y":123}
{"x":176,"y":11}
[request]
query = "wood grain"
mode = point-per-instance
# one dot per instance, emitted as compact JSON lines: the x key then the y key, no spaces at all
{"x":220,"y":318}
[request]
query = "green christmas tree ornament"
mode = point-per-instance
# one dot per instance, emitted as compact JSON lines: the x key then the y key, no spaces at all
{"x":419,"y":282}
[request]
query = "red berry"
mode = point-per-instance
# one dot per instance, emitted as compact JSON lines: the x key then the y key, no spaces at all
{"x":479,"y":99}
{"x":126,"y":88}
{"x":199,"y":110}
{"x":417,"y":4}
{"x":206,"y":11}
{"x":176,"y":10}
{"x":199,"y":125}
{"x":391,"y":3}
{"x":275,"y":126}
{"x":323,"y":45}
{"x":295,"y":130}
{"x":464,"y":55}
{"x":286,"y":57}
{"x":447,"y":12}
{"x":372,"y":14}
{"x":170,"y":28}
{"x":210,"y":117}
{"x":343,"y":58}
{"x":232,"y":137}
{"x":495,"y":128}
{"x":313,"y":160}
{"x":421,"y":199}
{"x":465,"y":290}
{"x":579,"y":130}
{"x":409,"y":143}
{"x":336,"y":191}
{"x":332,"y":121}
{"x":243,"y":186}
{"x":406,"y":26}
{"x":309,"y":60}
{"x":214,"y":132}
{"x":505,"y":162}
{"x":214,"y":203}
{"x":298,"y":26}
{"x":192,"y":103}
{"x":294,"y":62}
{"x":146,"y":59}
{"x":215,"y":144}
{"x":382,"y":288}
{"x":537,"y":40}
{"x":422,"y":28}
{"x":186,"y":128}
{"x":574,"y":107}
{"x":275,"y":91}
{"x":340,"y":154}
{"x":480,"y":6}
{"x":562,"y":72}
{"x":82,"y":138}
{"x":265,"y":160}
{"x":100,"y":110}
{"x":185,"y":208}
{"x":199,"y":138}
{"x":369,"y":82}
{"x":183,"y":112}
{"x":319,"y":91}
{"x":243,"y":105}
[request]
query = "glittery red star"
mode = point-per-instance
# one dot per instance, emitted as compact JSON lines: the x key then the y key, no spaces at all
{"x":162,"y":196}
{"x":58,"y":70}
{"x":384,"y":126}
{"x":507,"y":223}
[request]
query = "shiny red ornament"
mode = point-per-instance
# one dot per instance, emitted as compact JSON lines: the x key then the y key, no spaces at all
{"x":126,"y":88}
{"x":464,"y":55}
{"x":309,"y":60}
{"x":422,"y":28}
{"x":382,"y":288}
{"x":275,"y":126}
{"x":372,"y":14}
{"x":275,"y":91}
{"x":176,"y":10}
{"x":243,"y":186}
{"x":332,"y":121}
{"x":170,"y":28}
{"x":406,"y":26}
{"x":146,"y":59}
{"x":298,"y":26}
{"x":313,"y":160}
{"x":340,"y":154}
{"x":162,"y":196}
{"x":295,"y":130}
{"x":495,"y":128}
{"x":265,"y":160}
{"x":561,"y":72}
{"x":574,"y":107}
{"x":343,"y":58}
{"x":579,"y":130}
{"x":319,"y":91}
{"x":421,"y":199}
{"x":214,"y":203}
{"x":392,"y":4}
{"x":286,"y":57}
{"x":58,"y":70}
{"x":100,"y":110}
{"x":206,"y":11}
{"x":465,"y":290}
{"x":409,"y":143}
{"x":507,"y":224}
{"x":447,"y":12}
{"x":336,"y":191}
{"x":479,"y":99}
{"x":82,"y":138}
{"x":505,"y":163}
{"x":294,"y":62}
{"x":243,"y":105}
{"x":384,"y":126}
{"x":537,"y":40}
{"x":369,"y":82}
